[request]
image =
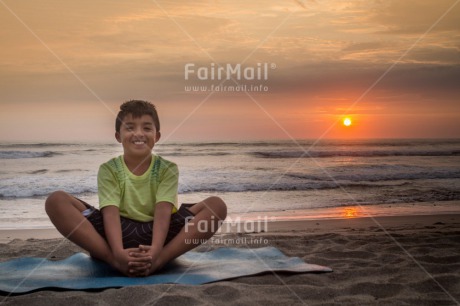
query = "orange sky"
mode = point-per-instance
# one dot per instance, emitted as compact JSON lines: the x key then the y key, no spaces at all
{"x":392,"y":66}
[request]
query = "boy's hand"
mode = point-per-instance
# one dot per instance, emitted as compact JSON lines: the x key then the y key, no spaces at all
{"x":146,"y":251}
{"x":132,"y":262}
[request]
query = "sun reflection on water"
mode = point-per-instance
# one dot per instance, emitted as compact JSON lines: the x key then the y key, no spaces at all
{"x":351,"y":212}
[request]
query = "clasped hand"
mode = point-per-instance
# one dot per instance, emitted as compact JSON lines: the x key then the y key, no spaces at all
{"x":138,"y":262}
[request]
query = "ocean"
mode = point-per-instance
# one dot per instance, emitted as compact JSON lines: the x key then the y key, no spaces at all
{"x":282,"y":179}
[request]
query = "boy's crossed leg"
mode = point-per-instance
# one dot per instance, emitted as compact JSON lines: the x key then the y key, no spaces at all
{"x":65,"y":212}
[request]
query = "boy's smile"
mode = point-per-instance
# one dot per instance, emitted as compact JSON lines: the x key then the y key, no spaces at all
{"x":137,"y":135}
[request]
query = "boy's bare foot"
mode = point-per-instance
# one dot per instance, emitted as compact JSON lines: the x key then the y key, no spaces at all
{"x":147,"y":251}
{"x":131,"y":262}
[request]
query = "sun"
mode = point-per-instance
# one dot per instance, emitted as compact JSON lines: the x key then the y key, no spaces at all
{"x":347,"y":121}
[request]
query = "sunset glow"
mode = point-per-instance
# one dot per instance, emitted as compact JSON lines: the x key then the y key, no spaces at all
{"x":296,"y":67}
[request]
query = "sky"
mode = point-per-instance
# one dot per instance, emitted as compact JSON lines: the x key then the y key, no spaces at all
{"x":391,"y":66}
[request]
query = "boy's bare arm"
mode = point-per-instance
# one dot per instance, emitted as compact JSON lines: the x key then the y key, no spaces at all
{"x":161,"y":224}
{"x":122,"y":259}
{"x":112,"y":227}
{"x":160,"y":230}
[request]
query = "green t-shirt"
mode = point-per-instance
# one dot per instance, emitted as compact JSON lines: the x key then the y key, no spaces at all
{"x":136,"y":196}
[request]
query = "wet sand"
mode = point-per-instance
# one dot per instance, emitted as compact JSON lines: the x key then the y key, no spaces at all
{"x":405,"y":260}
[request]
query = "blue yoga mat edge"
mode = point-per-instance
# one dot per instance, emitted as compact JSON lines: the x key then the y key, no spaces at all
{"x":81,"y":272}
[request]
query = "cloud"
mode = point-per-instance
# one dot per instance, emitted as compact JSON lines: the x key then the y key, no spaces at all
{"x":415,"y":16}
{"x":436,"y":55}
{"x":327,"y":52}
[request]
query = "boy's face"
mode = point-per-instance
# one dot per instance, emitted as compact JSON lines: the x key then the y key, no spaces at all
{"x":137,"y":135}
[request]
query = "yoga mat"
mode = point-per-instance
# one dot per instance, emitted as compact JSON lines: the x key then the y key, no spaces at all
{"x":193,"y":268}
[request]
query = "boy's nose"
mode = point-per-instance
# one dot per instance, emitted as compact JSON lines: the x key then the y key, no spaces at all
{"x":138,"y":131}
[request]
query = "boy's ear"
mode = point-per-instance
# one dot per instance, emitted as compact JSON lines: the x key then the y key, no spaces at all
{"x":117,"y":137}
{"x":158,"y":136}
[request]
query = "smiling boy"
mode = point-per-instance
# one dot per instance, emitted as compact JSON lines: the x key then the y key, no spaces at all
{"x":138,"y":227}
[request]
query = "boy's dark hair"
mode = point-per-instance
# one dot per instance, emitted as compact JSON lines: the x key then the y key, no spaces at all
{"x":137,"y":108}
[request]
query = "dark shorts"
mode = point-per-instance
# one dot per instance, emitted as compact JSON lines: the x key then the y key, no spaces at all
{"x":135,"y":233}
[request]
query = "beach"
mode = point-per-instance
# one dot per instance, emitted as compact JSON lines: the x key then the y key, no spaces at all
{"x":383,"y":214}
{"x":393,"y":260}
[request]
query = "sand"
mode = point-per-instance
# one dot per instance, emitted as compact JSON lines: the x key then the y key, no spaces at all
{"x":408,"y":260}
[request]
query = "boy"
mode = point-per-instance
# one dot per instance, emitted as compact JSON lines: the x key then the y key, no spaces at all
{"x":138,"y":228}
